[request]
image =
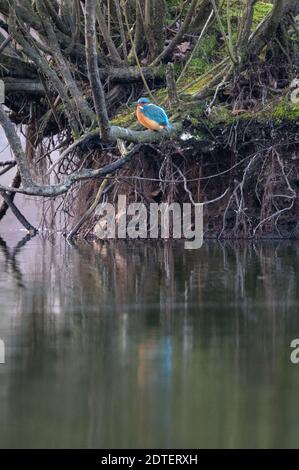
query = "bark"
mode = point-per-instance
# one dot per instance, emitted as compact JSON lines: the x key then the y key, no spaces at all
{"x":24,"y":86}
{"x":171,"y":86}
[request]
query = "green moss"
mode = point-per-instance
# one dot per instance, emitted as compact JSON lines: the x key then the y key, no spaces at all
{"x":198,"y":66}
{"x":208,"y":46}
{"x":285,"y":110}
{"x":196,"y":114}
{"x":173,"y":6}
{"x":221,"y":114}
{"x":204,"y":57}
{"x":125,"y":118}
{"x":278,"y":111}
{"x":161,"y":95}
{"x":261,"y":10}
{"x":195,"y":85}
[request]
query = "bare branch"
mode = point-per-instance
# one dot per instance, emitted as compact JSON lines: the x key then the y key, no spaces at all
{"x":106,"y":35}
{"x":62,"y":188}
{"x":93,"y":71}
{"x":169,"y":49}
{"x":89,"y":211}
{"x":16,"y":147}
{"x":128,"y":135}
{"x":32,"y":230}
{"x":15,"y":184}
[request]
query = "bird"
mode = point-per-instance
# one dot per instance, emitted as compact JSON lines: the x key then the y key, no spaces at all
{"x":151,"y":116}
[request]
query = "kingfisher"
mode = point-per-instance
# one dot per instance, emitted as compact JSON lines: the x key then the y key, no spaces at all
{"x":151,"y":116}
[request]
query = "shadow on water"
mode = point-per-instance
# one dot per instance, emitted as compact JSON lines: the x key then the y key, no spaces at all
{"x":149,"y":345}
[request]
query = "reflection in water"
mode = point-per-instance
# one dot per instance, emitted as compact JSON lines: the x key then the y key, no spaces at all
{"x":11,"y":255}
{"x":149,"y":345}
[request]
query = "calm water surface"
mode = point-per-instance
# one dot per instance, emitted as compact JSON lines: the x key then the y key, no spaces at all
{"x":148,"y":345}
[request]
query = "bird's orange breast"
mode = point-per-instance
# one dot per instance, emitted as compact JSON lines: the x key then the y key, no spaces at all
{"x":146,"y":122}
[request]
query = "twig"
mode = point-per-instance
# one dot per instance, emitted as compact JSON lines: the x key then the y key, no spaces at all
{"x":227,"y":41}
{"x":168,"y":50}
{"x":89,"y":211}
{"x":121,"y":29}
{"x":195,"y":50}
{"x":135,"y":52}
{"x":122,"y":133}
{"x":5,"y":43}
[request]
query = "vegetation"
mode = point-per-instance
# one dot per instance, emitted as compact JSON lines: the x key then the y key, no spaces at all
{"x":222,"y":69}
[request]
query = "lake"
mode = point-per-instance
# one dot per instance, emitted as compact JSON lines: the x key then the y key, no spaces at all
{"x":145,"y":344}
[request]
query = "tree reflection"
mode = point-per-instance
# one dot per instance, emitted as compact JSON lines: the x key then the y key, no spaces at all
{"x":148,"y":344}
{"x":10,"y":257}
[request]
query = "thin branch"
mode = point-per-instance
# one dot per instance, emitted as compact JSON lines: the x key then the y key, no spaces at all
{"x":62,"y":188}
{"x":5,"y":43}
{"x":227,"y":40}
{"x":16,"y":146}
{"x":17,"y":213}
{"x":105,"y":32}
{"x":16,"y":182}
{"x":195,"y":50}
{"x":93,"y":71}
{"x":173,"y":43}
{"x":121,"y":29}
{"x":128,"y":135}
{"x":89,"y":211}
{"x":135,"y":52}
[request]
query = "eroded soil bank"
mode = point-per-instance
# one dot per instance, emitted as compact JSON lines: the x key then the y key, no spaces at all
{"x":243,"y":168}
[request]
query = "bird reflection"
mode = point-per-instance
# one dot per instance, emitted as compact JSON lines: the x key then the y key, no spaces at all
{"x":10,"y":258}
{"x":154,"y":360}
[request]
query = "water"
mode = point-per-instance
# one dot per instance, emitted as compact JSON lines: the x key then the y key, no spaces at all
{"x":148,"y":345}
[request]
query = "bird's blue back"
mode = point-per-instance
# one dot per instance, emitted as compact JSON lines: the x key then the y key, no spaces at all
{"x":156,"y":113}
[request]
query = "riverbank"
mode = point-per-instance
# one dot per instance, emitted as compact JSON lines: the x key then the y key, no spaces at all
{"x":241,"y":165}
